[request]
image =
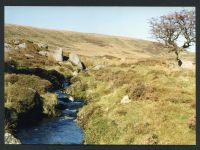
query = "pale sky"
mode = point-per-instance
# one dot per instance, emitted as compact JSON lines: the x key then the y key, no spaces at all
{"x":121,"y":21}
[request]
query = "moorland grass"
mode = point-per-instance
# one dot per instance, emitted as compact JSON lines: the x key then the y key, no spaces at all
{"x":159,"y":111}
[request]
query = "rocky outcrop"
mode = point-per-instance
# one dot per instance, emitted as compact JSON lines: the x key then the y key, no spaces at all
{"x":15,"y":45}
{"x":43,"y":53}
{"x":43,"y":45}
{"x":10,"y":139}
{"x":75,"y":60}
{"x":58,"y":54}
{"x":22,"y":46}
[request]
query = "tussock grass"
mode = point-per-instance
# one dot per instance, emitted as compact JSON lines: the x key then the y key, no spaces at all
{"x":162,"y":103}
{"x":26,"y":100}
{"x":49,"y":103}
{"x":30,"y":81}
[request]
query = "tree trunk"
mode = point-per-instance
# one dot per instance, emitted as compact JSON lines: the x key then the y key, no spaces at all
{"x":177,"y":56}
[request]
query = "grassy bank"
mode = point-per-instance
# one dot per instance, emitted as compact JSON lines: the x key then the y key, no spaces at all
{"x":162,"y":103}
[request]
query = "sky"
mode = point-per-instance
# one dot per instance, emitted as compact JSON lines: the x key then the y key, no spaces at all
{"x":120,"y":21}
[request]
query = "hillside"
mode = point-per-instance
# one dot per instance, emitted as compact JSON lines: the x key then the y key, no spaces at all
{"x":85,"y":44}
{"x":160,"y":108}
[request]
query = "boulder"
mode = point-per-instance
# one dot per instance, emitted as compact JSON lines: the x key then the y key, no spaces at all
{"x":71,"y":98}
{"x":58,"y":54}
{"x":43,"y":45}
{"x":43,"y":53}
{"x":22,"y":46}
{"x":29,"y":56}
{"x":10,"y":139}
{"x":125,"y":100}
{"x":97,"y":67}
{"x":74,"y":59}
{"x":187,"y":64}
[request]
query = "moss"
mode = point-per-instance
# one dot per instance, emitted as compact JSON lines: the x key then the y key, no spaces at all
{"x":26,"y":102}
{"x":27,"y":99}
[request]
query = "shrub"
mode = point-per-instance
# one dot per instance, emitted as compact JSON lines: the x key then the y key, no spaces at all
{"x":136,"y":90}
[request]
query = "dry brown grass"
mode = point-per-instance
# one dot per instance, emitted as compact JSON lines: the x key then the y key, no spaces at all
{"x":85,"y":44}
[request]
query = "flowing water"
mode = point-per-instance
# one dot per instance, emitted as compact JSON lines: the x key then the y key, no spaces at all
{"x":58,"y":130}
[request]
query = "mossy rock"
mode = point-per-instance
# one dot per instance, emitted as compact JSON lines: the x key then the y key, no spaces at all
{"x":26,"y":102}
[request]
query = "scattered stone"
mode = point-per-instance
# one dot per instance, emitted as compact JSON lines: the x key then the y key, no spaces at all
{"x":10,"y":139}
{"x":74,"y":59}
{"x":29,"y":56}
{"x":71,"y":98}
{"x":30,"y":41}
{"x":97,"y":67}
{"x":16,"y":42}
{"x":43,"y":45}
{"x":43,"y":53}
{"x":7,"y":47}
{"x":125,"y":100}
{"x":22,"y":46}
{"x":16,"y":48}
{"x":58,"y":54}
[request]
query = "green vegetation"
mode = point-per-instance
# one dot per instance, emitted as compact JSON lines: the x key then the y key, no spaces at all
{"x":27,"y":99}
{"x":159,"y":111}
{"x":162,"y":107}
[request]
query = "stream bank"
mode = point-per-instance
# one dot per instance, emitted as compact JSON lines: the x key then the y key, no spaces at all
{"x":57,"y":130}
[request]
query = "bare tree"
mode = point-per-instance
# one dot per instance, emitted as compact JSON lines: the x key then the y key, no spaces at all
{"x":169,"y":28}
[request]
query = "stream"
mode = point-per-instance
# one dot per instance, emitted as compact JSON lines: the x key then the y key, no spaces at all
{"x":57,"y":130}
